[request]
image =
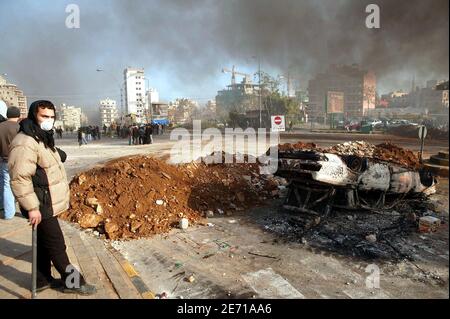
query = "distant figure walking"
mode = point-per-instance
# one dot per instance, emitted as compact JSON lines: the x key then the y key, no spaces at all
{"x":81,"y":137}
{"x":148,"y":134}
{"x":135,"y":134}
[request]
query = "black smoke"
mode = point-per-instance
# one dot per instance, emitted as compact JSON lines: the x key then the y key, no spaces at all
{"x":191,"y":40}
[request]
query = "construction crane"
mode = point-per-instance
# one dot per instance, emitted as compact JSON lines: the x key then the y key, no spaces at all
{"x":233,"y":75}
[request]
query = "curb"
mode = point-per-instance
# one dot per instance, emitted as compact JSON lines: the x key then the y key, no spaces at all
{"x":133,"y":275}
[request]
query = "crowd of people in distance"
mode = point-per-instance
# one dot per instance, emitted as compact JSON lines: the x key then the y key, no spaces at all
{"x":87,"y":134}
{"x":143,"y":134}
{"x":137,"y":134}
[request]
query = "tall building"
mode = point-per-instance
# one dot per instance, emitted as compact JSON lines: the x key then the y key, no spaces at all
{"x":135,"y":93}
{"x":357,"y":85}
{"x":71,"y":117}
{"x":108,"y":112}
{"x":13,"y":96}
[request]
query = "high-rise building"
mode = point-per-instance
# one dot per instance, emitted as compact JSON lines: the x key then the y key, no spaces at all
{"x":71,"y":117}
{"x":135,"y":93}
{"x":13,"y":96}
{"x":357,"y":85}
{"x":108,"y":112}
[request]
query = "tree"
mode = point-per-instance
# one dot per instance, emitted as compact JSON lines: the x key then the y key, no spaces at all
{"x":275,"y":103}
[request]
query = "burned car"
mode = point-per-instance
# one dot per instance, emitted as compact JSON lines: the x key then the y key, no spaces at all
{"x":320,"y":181}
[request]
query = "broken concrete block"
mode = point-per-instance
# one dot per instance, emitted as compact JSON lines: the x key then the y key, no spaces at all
{"x":92,"y":201}
{"x":247,"y":178}
{"x":111,"y":228}
{"x":184,"y":223}
{"x":371,"y":238}
{"x":428,"y":224}
{"x":135,"y":225}
{"x":99,"y":209}
{"x":190,"y":279}
{"x":89,"y":221}
{"x":81,"y":179}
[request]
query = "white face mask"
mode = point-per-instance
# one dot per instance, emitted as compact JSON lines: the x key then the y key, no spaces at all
{"x":47,"y":124}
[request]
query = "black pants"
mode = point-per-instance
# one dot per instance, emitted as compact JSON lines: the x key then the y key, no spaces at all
{"x":51,"y":248}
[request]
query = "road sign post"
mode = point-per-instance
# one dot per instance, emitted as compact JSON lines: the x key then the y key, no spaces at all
{"x":422,"y":135}
{"x":278,"y":124}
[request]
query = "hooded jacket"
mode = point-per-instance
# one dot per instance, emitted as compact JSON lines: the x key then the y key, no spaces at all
{"x":38,"y":176}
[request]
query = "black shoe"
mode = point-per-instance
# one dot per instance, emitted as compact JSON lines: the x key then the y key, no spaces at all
{"x":52,"y":283}
{"x":85,"y":289}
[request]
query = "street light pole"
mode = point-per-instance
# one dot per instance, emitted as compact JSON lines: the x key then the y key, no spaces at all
{"x":149,"y":103}
{"x":260,"y":91}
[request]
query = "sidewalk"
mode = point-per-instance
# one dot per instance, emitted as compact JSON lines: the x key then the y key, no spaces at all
{"x":112,"y":275}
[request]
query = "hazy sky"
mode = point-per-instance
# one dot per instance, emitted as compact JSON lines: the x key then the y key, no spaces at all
{"x":183,"y":45}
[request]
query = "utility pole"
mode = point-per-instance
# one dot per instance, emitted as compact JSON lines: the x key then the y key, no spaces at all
{"x":260,"y":90}
{"x":288,"y":84}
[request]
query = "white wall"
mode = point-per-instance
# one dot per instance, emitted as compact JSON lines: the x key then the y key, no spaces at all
{"x":135,"y":84}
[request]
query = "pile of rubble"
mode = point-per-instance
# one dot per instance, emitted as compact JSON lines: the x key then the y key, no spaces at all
{"x":358,"y":148}
{"x":395,"y":154}
{"x":297,"y":146}
{"x":141,"y":196}
{"x":383,"y":152}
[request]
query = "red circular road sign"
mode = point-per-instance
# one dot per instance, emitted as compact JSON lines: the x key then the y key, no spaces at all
{"x":277,"y":120}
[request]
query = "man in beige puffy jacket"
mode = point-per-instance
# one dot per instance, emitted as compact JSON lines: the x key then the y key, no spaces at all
{"x":39,"y":183}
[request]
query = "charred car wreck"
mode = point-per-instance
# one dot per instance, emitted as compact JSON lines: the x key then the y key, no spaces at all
{"x":320,"y":181}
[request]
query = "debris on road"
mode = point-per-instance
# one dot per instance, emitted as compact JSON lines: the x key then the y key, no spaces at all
{"x":371,"y":238}
{"x":184,"y":223}
{"x":428,"y":224}
{"x":190,"y":279}
{"x":378,"y":234}
{"x":132,"y":198}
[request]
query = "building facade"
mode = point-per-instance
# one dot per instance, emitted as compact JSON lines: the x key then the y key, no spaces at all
{"x":13,"y":96}
{"x":135,"y":101}
{"x":71,"y":117}
{"x":358,"y":86}
{"x":239,"y":98}
{"x":396,"y":99}
{"x":180,"y":111}
{"x":428,"y":98}
{"x":108,"y":112}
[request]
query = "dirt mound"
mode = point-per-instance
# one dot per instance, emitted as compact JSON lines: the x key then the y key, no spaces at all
{"x":383,"y":152}
{"x":297,"y":146}
{"x":395,"y":154}
{"x":142,"y":196}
